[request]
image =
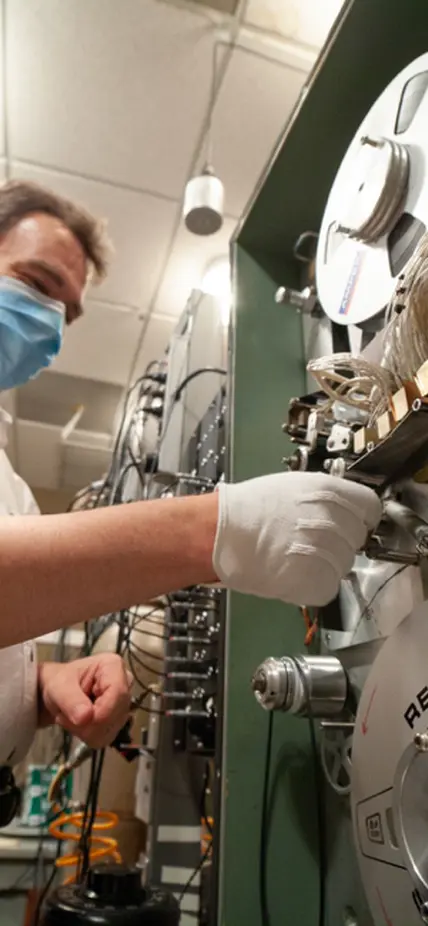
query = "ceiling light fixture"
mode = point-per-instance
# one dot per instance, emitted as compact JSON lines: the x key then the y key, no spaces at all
{"x":204,"y":195}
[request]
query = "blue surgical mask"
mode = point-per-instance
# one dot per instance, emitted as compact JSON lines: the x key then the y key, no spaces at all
{"x":31,"y":330}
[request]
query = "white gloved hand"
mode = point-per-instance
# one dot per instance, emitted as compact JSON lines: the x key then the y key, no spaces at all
{"x":292,"y":536}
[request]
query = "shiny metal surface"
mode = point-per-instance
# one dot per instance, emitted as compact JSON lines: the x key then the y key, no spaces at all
{"x":380,"y":186}
{"x":373,"y":600}
{"x":302,"y":685}
{"x":270,"y":684}
{"x":411,"y":522}
{"x":389,"y":796}
{"x":336,"y":757}
{"x":410,"y":809}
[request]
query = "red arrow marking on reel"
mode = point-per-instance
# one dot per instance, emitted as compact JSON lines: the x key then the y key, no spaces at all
{"x":388,"y":921}
{"x":364,"y":724}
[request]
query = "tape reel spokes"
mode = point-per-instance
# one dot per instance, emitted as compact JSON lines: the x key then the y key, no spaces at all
{"x":378,"y":206}
{"x":336,"y":760}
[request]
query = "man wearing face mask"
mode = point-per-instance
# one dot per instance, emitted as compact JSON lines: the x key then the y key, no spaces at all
{"x":287,"y":536}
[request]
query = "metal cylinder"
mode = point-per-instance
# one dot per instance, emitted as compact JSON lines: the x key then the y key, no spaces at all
{"x":203,"y":204}
{"x":305,"y":685}
{"x":409,"y":521}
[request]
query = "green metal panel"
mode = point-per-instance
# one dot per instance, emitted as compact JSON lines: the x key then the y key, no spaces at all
{"x":376,"y":39}
{"x":268,"y":369}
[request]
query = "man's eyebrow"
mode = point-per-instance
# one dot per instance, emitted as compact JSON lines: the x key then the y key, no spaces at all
{"x":46,"y":269}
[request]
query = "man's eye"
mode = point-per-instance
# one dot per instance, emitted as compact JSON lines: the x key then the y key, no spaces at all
{"x":36,"y":284}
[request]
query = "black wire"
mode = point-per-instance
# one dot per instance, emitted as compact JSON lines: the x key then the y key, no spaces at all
{"x":46,"y":889}
{"x":204,"y":814}
{"x":91,"y":803}
{"x":143,"y":687}
{"x":97,"y":783}
{"x":147,"y":633}
{"x":117,"y":496}
{"x":264,"y":829}
{"x":140,"y":617}
{"x":319,"y":798}
{"x":130,"y":651}
{"x":64,"y":752}
{"x":368,"y":606}
{"x":139,"y":702}
{"x":137,"y":464}
{"x":86,"y":811}
{"x":193,"y":375}
{"x":195,"y":873}
{"x":146,"y":652}
{"x":97,"y":764}
{"x":208,"y":849}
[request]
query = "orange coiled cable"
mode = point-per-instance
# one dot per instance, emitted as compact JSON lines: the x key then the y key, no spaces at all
{"x":99,"y":846}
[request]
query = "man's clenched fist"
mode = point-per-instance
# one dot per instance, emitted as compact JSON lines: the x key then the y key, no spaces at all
{"x":89,"y":697}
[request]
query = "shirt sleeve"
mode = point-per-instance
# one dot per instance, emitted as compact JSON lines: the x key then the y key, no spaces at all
{"x":18,"y":701}
{"x":24,"y":497}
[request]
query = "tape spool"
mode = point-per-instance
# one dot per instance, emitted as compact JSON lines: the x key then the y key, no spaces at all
{"x":389,"y":795}
{"x":378,"y":206}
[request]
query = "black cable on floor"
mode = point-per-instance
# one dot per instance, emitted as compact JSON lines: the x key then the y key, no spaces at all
{"x":46,"y":889}
{"x":319,"y":799}
{"x":264,"y":829}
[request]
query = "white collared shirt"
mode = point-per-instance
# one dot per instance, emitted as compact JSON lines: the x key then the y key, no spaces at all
{"x":18,"y":664}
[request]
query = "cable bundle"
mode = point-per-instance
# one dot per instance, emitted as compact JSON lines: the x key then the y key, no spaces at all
{"x":354,"y":382}
{"x":405,"y":342}
{"x":366,"y":386}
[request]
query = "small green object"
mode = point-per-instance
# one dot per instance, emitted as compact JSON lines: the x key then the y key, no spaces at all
{"x":36,"y":808}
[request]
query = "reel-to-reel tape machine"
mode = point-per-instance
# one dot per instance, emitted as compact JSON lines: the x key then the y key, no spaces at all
{"x":374,"y":737}
{"x":378,"y":206}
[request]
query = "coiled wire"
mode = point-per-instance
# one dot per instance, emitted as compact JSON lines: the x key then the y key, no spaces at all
{"x":405,"y":340}
{"x":368,"y":386}
{"x":353,"y":381}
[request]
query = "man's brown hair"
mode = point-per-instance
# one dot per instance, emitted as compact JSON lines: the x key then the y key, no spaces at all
{"x":19,"y":198}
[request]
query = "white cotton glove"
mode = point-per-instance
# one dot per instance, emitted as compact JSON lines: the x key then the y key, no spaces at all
{"x":292,"y":536}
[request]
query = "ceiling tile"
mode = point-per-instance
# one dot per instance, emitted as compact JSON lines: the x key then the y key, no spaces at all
{"x":257,"y":97}
{"x":220,"y":6}
{"x":140,"y":227}
{"x":305,"y":21}
{"x":108,"y":89}
{"x":101,"y":344}
{"x":187,"y":264}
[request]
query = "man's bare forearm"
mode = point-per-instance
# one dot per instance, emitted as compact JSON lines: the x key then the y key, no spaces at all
{"x":58,"y":570}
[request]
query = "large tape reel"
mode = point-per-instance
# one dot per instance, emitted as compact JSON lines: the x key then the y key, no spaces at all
{"x":378,"y":206}
{"x":390,"y":777}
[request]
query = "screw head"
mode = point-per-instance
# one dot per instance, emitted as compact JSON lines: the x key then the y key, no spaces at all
{"x":373,"y":142}
{"x":259,"y":683}
{"x":421,"y":742}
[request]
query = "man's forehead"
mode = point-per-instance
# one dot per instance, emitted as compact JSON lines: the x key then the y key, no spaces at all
{"x":41,"y":235}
